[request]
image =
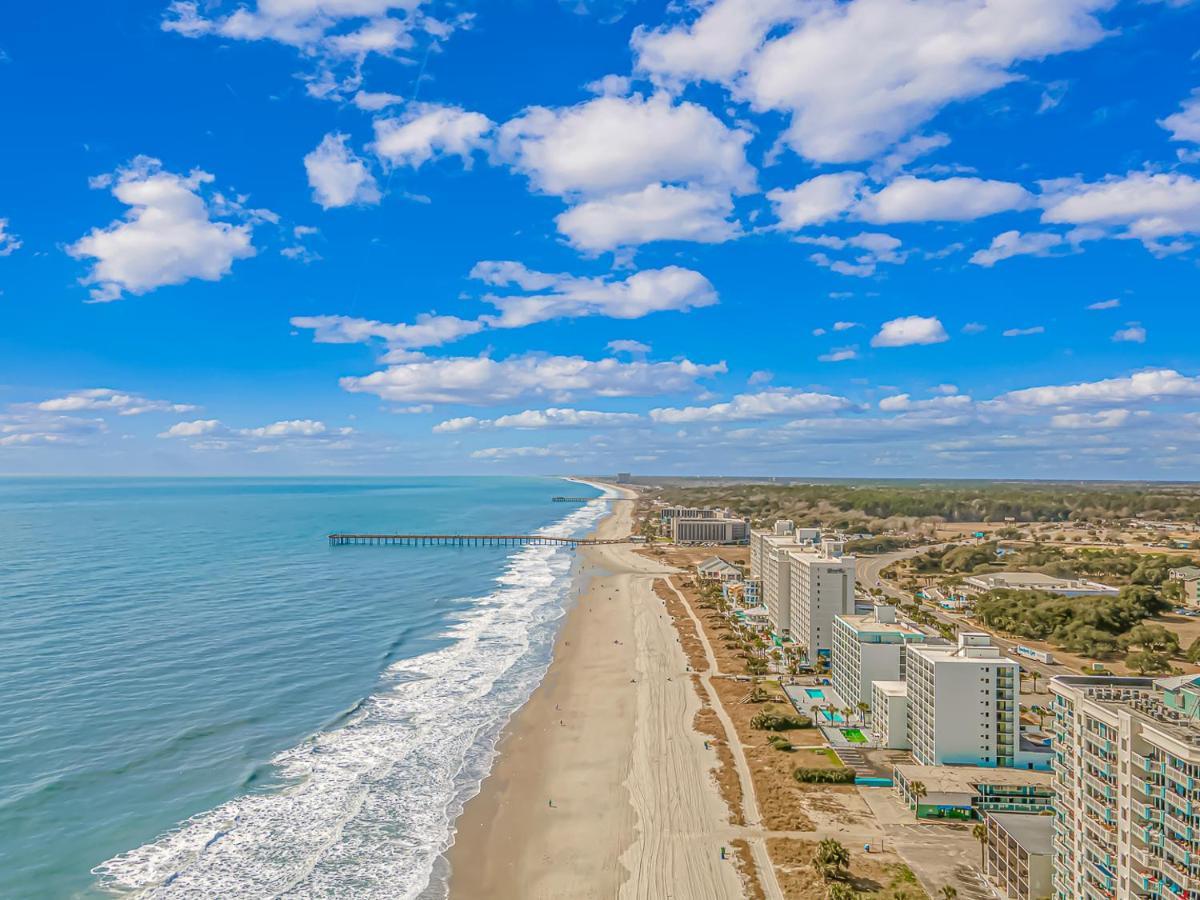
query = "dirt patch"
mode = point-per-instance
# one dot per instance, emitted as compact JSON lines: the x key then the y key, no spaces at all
{"x":743,"y":858}
{"x":875,"y":875}
{"x":707,"y":722}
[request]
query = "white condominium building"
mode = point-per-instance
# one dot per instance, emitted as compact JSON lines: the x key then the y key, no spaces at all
{"x":820,"y":586}
{"x":1127,"y":779}
{"x":889,"y":714}
{"x":767,"y":550}
{"x":870,"y":648}
{"x":962,"y":703}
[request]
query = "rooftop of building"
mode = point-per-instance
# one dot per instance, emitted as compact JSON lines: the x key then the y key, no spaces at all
{"x":1186,"y":573}
{"x":1144,"y":698}
{"x":716,"y":562}
{"x":892,"y":688}
{"x":965,"y":779}
{"x":972,"y":647}
{"x":1030,"y":581}
{"x":870,"y":623}
{"x":1032,"y":833}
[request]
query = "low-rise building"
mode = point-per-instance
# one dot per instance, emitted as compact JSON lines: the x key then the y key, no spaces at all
{"x":1189,"y":577}
{"x":869,"y":648}
{"x":1127,"y":776}
{"x":963,"y":703}
{"x":889,"y":714}
{"x":716,"y":569}
{"x":1035,"y":581}
{"x":1019,"y":857}
{"x":968,"y":792}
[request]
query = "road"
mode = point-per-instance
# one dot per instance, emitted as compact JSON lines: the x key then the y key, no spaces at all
{"x":870,"y":570}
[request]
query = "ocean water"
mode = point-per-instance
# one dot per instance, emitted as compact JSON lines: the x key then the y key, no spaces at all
{"x":200,"y":698}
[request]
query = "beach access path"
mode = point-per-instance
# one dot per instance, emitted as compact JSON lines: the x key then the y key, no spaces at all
{"x":603,"y":788}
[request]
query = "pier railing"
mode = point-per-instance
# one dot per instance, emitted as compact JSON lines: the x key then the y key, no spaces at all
{"x":468,"y":540}
{"x":585,"y":499}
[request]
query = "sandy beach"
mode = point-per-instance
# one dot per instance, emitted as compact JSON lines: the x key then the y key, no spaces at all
{"x":603,"y":788}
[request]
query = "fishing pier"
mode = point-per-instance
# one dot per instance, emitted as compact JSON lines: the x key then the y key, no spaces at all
{"x":468,"y":540}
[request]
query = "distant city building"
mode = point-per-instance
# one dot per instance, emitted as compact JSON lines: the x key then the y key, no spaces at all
{"x":820,"y":586}
{"x":1020,"y":859}
{"x":889,"y":714}
{"x":962,"y":703}
{"x":716,"y":569}
{"x":624,"y":478}
{"x":1189,"y":577}
{"x":1127,"y":775}
{"x":870,"y":648}
{"x":969,"y":792}
{"x":709,"y":531}
{"x":1035,"y":581}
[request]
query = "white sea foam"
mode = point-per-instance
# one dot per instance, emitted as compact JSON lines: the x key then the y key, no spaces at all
{"x":370,"y":805}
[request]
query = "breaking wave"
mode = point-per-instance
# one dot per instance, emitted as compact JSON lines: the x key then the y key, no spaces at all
{"x":368,"y":806}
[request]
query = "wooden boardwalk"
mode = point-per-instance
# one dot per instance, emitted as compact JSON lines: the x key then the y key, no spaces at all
{"x":467,"y":540}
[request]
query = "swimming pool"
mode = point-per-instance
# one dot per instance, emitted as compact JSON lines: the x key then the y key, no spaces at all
{"x":873,"y":782}
{"x":815,"y":693}
{"x":832,"y":716}
{"x":854,"y":735}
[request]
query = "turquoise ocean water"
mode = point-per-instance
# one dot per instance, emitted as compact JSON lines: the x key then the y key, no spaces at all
{"x":200,"y":698}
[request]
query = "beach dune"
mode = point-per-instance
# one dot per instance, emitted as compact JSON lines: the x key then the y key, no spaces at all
{"x":602,"y":787}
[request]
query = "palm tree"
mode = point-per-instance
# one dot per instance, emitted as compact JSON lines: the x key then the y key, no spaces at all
{"x":918,"y":792}
{"x":863,"y":709}
{"x":979,"y":832}
{"x":841,"y":891}
{"x":832,"y":859}
{"x":948,"y":892}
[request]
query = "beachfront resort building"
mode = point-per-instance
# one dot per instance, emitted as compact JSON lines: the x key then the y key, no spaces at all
{"x":715,"y":530}
{"x":1035,"y":581}
{"x":870,"y":648}
{"x":889,"y":714}
{"x":963,"y":703}
{"x":1127,"y":778}
{"x":1018,"y":855}
{"x":820,"y":587}
{"x":769,"y":562}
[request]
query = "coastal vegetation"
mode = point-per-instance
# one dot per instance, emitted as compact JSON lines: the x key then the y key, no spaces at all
{"x":852,"y":505}
{"x":808,"y":775}
{"x":772,"y":721}
{"x":1115,"y":566}
{"x":1091,"y":626}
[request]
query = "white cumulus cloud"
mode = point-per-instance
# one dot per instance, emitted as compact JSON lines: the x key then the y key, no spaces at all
{"x":552,"y":296}
{"x":909,"y":330}
{"x":1013,"y":243}
{"x":658,"y":212}
{"x":167,"y":237}
{"x":337,"y":176}
{"x":428,"y":131}
{"x":857,"y":77}
{"x":620,"y":144}
{"x":748,"y":407}
{"x":9,"y":242}
{"x":553,"y":417}
{"x":481,"y":380}
{"x":106,"y":399}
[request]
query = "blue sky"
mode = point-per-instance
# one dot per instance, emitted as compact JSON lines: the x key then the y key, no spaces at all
{"x":806,"y":237}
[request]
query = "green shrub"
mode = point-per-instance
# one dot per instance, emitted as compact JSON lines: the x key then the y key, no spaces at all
{"x":824,"y":776}
{"x":769,"y":721}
